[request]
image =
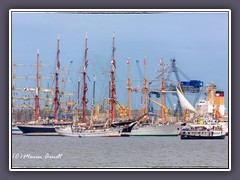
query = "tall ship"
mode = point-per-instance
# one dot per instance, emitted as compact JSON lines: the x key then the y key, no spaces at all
{"x":43,"y":126}
{"x":146,"y":127}
{"x":88,"y":127}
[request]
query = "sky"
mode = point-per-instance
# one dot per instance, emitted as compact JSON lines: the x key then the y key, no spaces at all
{"x":198,"y":41}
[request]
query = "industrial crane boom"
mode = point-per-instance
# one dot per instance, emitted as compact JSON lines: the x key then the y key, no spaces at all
{"x":157,"y":103}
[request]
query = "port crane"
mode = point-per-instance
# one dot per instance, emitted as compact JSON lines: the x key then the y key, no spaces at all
{"x":188,"y":86}
{"x":165,"y":109}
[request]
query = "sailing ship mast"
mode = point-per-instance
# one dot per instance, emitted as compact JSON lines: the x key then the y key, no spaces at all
{"x":56,"y":103}
{"x":93,"y":103}
{"x":113,"y":88}
{"x":145,"y":87}
{"x":84,"y":100}
{"x":108,"y":116}
{"x":14,"y":88}
{"x":129,"y":88}
{"x":64,"y":69}
{"x":68,"y":103}
{"x":14,"y":77}
{"x":162,"y":89}
{"x":36,"y":110}
{"x":37,"y":89}
{"x":78,"y":100}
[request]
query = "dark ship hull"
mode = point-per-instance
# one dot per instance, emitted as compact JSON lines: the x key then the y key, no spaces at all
{"x":38,"y":130}
{"x":202,"y":137}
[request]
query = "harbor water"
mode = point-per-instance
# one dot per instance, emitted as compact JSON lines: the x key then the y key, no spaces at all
{"x":121,"y":152}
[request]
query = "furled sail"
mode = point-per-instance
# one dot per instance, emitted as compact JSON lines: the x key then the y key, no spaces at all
{"x":24,"y":98}
{"x":47,"y":90}
{"x":25,"y":89}
{"x":185,"y":104}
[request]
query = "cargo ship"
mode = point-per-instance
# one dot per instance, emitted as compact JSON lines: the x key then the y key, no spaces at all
{"x":208,"y":120}
{"x":213,"y":108}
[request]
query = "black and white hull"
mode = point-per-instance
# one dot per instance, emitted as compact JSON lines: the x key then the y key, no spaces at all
{"x":203,"y":132}
{"x":16,"y":131}
{"x":185,"y":136}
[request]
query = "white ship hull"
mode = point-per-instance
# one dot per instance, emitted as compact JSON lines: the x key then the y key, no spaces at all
{"x":16,"y":131}
{"x":68,"y":131}
{"x":224,"y":126}
{"x":106,"y":132}
{"x":156,"y":130}
{"x":207,"y":131}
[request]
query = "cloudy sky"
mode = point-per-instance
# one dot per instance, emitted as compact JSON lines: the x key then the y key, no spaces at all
{"x":198,"y":42}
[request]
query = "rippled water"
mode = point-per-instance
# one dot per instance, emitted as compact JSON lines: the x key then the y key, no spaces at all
{"x":96,"y":152}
